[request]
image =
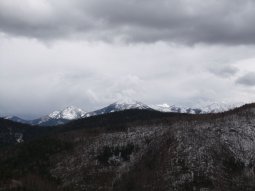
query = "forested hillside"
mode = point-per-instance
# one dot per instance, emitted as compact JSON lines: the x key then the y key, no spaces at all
{"x":134,"y":150}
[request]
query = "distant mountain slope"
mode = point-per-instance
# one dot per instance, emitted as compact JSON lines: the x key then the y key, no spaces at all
{"x":167,"y":108}
{"x":219,"y":107}
{"x":17,"y":119}
{"x":120,"y":105}
{"x":206,"y":108}
{"x":59,"y":117}
{"x":72,"y":113}
{"x":54,"y":118}
{"x":69,"y":113}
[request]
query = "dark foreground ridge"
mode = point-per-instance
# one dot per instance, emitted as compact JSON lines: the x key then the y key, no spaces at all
{"x":132,"y":150}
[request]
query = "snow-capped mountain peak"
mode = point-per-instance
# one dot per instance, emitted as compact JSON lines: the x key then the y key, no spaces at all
{"x":219,"y":107}
{"x":68,"y":113}
{"x":72,"y":112}
{"x":172,"y":108}
{"x":204,"y":108}
{"x":164,"y":105}
{"x":54,"y":114}
{"x":128,"y":104}
{"x":119,"y":105}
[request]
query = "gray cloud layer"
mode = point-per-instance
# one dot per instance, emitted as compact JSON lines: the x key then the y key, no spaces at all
{"x":179,"y":21}
{"x":179,"y":51}
{"x":223,"y":70}
{"x":36,"y":79}
{"x":247,"y":79}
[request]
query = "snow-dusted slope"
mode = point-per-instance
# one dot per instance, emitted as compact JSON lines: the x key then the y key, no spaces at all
{"x":72,"y":113}
{"x":60,"y":117}
{"x":68,"y":113}
{"x":177,"y":109}
{"x":206,"y":108}
{"x":219,"y":107}
{"x":16,"y":119}
{"x":118,"y":106}
{"x":129,"y":104}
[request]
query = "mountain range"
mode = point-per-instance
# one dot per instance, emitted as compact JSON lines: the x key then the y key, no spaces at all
{"x":72,"y":113}
{"x":132,"y":150}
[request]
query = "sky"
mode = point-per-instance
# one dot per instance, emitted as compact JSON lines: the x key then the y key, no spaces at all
{"x":57,"y":53}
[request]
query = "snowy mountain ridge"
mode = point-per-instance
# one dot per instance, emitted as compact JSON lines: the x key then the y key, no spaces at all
{"x":118,"y":106}
{"x":219,"y":107}
{"x":72,"y":112}
{"x":199,"y":109}
{"x":129,"y":104}
{"x":68,"y":113}
{"x":177,"y":109}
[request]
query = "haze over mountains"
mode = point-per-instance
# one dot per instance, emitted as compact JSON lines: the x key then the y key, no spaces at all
{"x":72,"y":112}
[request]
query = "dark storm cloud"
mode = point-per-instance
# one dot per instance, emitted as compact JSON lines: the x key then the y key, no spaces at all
{"x":179,"y":21}
{"x":247,"y":79}
{"x":57,"y":53}
{"x":223,"y":70}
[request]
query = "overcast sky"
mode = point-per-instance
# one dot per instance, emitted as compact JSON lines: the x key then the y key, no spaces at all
{"x":89,"y":53}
